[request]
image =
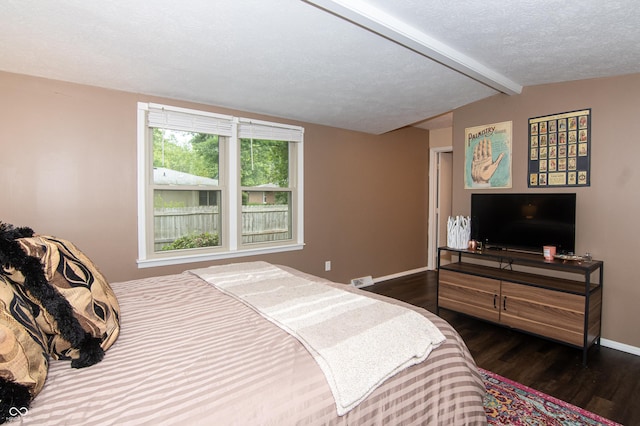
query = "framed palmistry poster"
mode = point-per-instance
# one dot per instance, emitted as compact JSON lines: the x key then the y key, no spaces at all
{"x":488,"y":156}
{"x":560,"y":150}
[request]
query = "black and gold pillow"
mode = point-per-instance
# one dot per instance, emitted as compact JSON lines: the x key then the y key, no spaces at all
{"x":23,"y":358}
{"x":72,"y":275}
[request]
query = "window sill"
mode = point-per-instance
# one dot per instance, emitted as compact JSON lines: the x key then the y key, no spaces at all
{"x":177,"y":260}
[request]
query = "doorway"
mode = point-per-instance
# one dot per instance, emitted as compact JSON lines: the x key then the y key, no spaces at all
{"x":440,"y":196}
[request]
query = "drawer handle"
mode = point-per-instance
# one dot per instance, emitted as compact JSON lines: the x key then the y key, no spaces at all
{"x":504,"y":303}
{"x":495,"y":297}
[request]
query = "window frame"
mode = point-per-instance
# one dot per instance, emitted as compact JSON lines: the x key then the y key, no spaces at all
{"x":229,"y":184}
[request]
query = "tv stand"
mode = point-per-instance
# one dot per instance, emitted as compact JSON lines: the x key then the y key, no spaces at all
{"x":557,"y":301}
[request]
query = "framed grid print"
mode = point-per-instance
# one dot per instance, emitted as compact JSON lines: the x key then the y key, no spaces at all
{"x":560,"y":150}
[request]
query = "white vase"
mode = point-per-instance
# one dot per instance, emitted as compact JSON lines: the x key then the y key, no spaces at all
{"x":458,"y":232}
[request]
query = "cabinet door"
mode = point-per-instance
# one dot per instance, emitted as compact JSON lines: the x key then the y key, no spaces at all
{"x":469,"y":294}
{"x":544,"y":312}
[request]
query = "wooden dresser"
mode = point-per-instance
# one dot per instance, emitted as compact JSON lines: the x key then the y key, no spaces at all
{"x":557,"y":299}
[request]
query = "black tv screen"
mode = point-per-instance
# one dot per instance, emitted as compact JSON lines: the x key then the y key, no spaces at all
{"x":524,"y":221}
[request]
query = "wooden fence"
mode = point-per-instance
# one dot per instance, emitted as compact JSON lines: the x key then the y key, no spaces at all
{"x":265,"y":222}
{"x":260,"y":223}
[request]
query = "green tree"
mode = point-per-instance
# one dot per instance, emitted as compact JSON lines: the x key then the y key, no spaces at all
{"x":207,"y":150}
{"x":187,"y":152}
{"x":168,"y":153}
{"x":264,"y":162}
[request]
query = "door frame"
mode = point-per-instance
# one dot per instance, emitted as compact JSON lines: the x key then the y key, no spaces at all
{"x":434,"y":190}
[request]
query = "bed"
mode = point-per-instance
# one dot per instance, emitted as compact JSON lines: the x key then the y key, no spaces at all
{"x":189,"y":353}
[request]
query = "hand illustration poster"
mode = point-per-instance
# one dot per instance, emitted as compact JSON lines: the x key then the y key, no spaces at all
{"x":488,"y":156}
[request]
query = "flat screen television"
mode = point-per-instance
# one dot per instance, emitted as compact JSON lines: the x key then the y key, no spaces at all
{"x":524,"y":222}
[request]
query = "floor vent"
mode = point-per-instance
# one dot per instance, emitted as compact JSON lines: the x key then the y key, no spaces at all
{"x":362,"y":282}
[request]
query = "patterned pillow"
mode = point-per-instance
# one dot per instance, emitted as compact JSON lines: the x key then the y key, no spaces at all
{"x":23,"y":357}
{"x":72,"y":275}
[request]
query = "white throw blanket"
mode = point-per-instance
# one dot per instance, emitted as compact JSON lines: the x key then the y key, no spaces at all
{"x":357,"y":341}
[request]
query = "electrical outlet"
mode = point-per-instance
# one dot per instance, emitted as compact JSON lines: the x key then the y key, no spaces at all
{"x":362,"y":282}
{"x":327,"y":265}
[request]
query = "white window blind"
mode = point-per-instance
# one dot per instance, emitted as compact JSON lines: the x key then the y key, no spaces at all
{"x":216,"y":124}
{"x":253,"y":129}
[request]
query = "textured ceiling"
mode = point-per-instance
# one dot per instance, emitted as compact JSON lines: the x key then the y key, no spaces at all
{"x":307,"y":61}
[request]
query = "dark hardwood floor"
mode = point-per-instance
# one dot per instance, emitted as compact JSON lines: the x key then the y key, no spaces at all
{"x":609,"y":385}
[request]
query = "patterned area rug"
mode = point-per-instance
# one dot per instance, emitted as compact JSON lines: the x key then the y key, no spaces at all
{"x":509,"y":403}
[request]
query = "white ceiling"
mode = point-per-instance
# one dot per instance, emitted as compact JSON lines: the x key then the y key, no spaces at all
{"x":354,"y":64}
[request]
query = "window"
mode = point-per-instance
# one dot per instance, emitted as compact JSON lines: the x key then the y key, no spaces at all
{"x":208,"y":198}
{"x":212,"y":186}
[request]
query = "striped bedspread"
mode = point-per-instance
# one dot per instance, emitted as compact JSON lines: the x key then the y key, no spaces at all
{"x":358,"y":342}
{"x":189,"y":354}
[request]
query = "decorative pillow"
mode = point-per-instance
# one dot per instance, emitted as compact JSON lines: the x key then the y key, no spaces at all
{"x":23,"y":358}
{"x":72,"y":275}
{"x":72,"y":302}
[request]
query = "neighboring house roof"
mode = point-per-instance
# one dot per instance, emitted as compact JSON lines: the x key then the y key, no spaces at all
{"x":166,"y":176}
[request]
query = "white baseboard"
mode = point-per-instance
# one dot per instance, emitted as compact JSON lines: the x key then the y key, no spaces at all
{"x":620,"y":346}
{"x":399,"y":274}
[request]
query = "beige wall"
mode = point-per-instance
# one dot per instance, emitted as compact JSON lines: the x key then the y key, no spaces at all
{"x":608,"y":210}
{"x":440,"y":138}
{"x":68,"y":168}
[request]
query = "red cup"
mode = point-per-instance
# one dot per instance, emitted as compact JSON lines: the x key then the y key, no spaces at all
{"x":549,"y":252}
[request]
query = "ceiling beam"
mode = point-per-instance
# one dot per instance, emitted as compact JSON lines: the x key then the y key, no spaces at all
{"x":387,"y":26}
